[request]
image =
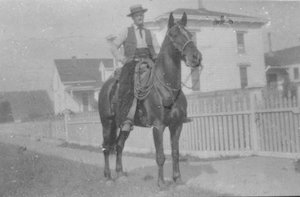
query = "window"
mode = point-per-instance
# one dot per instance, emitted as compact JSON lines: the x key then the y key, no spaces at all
{"x":272,"y":79}
{"x":243,"y":76}
{"x":195,"y":72}
{"x":240,"y":41}
{"x":85,"y":101}
{"x":296,"y":73}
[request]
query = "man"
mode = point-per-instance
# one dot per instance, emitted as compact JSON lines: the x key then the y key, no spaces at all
{"x":138,"y":42}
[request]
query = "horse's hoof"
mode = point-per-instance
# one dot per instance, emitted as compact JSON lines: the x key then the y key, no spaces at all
{"x":178,"y":181}
{"x":162,"y":185}
{"x":122,"y":174}
{"x":107,"y":175}
{"x":122,"y":179}
{"x":109,"y":182}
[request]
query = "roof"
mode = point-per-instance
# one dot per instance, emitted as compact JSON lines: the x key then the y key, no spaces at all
{"x":284,"y":57}
{"x":204,"y":14}
{"x":82,"y":72}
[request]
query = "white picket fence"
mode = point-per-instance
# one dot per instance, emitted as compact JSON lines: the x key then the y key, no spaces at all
{"x":240,"y":124}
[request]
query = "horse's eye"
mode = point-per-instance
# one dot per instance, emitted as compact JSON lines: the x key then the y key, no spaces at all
{"x":173,"y":35}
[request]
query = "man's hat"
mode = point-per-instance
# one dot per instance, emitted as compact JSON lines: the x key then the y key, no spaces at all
{"x":135,"y":9}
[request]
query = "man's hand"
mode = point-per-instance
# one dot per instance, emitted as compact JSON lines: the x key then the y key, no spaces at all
{"x":117,"y":73}
{"x":154,"y":58}
{"x":124,"y":60}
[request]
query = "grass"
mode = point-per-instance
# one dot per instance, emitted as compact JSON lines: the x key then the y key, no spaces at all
{"x":29,"y":174}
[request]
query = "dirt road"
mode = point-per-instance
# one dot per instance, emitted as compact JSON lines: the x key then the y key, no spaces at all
{"x":31,"y":174}
{"x":45,"y":169}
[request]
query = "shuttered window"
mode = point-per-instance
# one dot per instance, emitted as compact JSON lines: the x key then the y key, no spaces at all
{"x":85,"y":101}
{"x":243,"y":76}
{"x":240,"y":41}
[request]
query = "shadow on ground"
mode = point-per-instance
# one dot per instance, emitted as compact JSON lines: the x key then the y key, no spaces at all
{"x":29,"y":174}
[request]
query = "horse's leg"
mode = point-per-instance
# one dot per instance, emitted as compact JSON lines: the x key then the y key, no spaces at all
{"x":109,"y":139}
{"x":160,"y":156}
{"x":120,"y":146}
{"x":175,"y":131}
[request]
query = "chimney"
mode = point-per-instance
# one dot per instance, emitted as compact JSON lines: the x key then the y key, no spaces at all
{"x":200,"y":4}
{"x":270,"y":42}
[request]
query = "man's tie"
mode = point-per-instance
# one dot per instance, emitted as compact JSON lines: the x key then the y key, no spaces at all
{"x":140,"y":27}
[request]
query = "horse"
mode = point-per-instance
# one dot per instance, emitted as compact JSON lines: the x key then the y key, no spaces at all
{"x":176,"y":47}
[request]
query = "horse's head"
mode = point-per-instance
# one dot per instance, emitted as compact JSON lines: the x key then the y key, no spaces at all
{"x":182,"y":41}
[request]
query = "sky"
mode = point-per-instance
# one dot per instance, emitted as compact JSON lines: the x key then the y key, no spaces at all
{"x":38,"y":31}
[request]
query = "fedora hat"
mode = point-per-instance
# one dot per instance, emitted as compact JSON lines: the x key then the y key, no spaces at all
{"x":135,"y":9}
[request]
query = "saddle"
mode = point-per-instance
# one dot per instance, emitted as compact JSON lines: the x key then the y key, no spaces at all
{"x":143,"y":81}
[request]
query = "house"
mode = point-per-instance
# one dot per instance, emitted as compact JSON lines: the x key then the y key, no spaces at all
{"x":22,"y":106}
{"x":282,"y":68}
{"x":231,"y":45}
{"x":77,"y":82}
{"x":41,"y":90}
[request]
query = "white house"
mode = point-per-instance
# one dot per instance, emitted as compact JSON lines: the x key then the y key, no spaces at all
{"x":77,"y":82}
{"x":231,"y":45}
{"x":282,"y":68}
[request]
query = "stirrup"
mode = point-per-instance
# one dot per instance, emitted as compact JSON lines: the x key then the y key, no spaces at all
{"x":186,"y":120}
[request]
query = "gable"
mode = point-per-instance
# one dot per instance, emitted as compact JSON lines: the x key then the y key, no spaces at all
{"x":284,"y":57}
{"x":82,"y":70}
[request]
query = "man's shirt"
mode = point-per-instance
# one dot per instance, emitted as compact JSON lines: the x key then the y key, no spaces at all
{"x":140,"y":41}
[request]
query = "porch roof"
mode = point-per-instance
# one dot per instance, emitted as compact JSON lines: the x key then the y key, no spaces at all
{"x":284,"y":57}
{"x":82,"y":72}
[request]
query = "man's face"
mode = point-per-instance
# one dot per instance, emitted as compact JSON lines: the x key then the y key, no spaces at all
{"x":138,"y":18}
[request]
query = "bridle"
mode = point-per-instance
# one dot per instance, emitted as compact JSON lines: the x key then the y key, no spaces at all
{"x":174,"y":42}
{"x":181,"y":50}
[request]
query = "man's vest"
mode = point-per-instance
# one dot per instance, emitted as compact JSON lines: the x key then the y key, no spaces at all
{"x":130,"y":43}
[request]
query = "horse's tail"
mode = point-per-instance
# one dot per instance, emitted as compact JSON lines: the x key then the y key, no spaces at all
{"x":105,"y":100}
{"x":107,"y":115}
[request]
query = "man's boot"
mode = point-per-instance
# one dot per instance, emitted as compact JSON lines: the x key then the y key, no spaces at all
{"x":128,"y":123}
{"x":186,"y":120}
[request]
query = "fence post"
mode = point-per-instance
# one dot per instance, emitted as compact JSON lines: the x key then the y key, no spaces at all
{"x":298,"y":96}
{"x":66,"y":118}
{"x":254,"y":131}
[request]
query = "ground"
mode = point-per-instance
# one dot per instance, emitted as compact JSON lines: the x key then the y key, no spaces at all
{"x":34,"y":167}
{"x":26,"y":173}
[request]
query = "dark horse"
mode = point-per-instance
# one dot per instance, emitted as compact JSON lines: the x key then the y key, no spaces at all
{"x":176,"y":46}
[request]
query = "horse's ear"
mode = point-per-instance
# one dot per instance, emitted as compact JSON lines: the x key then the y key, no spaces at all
{"x":184,"y":19}
{"x":171,"y":20}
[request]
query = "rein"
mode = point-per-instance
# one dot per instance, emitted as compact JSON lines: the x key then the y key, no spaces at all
{"x":165,"y":84}
{"x":183,"y":83}
{"x":142,"y":93}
